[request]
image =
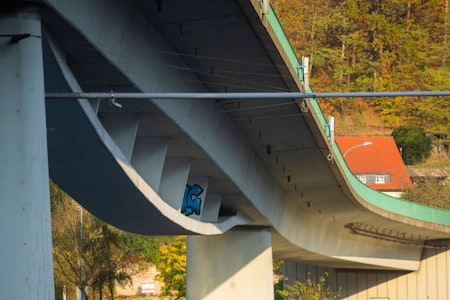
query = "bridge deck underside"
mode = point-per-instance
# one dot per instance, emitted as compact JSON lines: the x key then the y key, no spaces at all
{"x":267,"y":159}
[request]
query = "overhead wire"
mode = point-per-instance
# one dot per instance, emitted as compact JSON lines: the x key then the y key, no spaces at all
{"x":244,"y":84}
{"x":93,"y":64}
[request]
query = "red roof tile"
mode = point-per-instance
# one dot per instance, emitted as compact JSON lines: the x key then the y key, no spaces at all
{"x":381,"y":157}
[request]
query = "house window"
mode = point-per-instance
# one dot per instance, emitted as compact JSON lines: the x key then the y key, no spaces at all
{"x":379,"y":179}
{"x":362,"y":178}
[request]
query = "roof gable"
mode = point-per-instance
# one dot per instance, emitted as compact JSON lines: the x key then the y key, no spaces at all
{"x":381,"y":157}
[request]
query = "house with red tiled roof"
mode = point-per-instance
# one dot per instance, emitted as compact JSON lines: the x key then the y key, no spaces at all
{"x":376,"y":161}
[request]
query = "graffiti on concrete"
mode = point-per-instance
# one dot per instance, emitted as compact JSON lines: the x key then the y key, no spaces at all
{"x":191,"y":201}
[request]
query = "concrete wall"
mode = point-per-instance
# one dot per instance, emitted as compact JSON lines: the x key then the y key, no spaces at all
{"x":431,"y":281}
{"x":133,"y":290}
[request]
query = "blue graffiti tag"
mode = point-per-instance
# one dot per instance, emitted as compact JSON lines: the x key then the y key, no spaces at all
{"x":190,"y":204}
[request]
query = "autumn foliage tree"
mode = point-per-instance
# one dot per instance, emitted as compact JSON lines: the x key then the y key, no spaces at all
{"x":172,"y":268}
{"x":384,"y":45}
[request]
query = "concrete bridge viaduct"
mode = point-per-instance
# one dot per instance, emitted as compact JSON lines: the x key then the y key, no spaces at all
{"x":245,"y":179}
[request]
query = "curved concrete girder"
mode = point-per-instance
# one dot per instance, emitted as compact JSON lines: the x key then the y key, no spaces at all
{"x":239,"y":161}
{"x":138,"y":208}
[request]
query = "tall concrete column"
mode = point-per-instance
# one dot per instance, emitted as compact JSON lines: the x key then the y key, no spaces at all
{"x":234,"y":265}
{"x":25,"y":223}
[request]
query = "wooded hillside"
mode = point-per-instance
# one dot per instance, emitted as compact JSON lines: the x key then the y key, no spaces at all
{"x":380,"y":45}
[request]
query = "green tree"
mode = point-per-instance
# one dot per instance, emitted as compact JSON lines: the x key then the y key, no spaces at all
{"x":277,"y":266}
{"x":310,"y":289}
{"x":172,"y":267}
{"x":87,"y":256}
{"x":110,"y":267}
{"x":141,"y":249}
{"x":415,"y":145}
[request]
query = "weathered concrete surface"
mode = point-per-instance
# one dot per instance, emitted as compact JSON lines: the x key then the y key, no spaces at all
{"x":25,"y":230}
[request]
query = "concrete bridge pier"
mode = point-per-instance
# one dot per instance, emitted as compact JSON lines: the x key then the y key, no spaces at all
{"x":234,"y":265}
{"x":25,"y":223}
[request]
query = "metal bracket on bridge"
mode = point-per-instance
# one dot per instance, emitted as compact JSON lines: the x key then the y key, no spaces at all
{"x":389,"y":235}
{"x":15,"y":38}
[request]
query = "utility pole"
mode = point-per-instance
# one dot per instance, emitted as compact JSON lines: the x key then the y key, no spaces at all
{"x":79,"y":208}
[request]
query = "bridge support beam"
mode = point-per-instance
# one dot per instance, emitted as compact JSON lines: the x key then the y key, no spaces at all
{"x":234,"y":265}
{"x":25,"y":224}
